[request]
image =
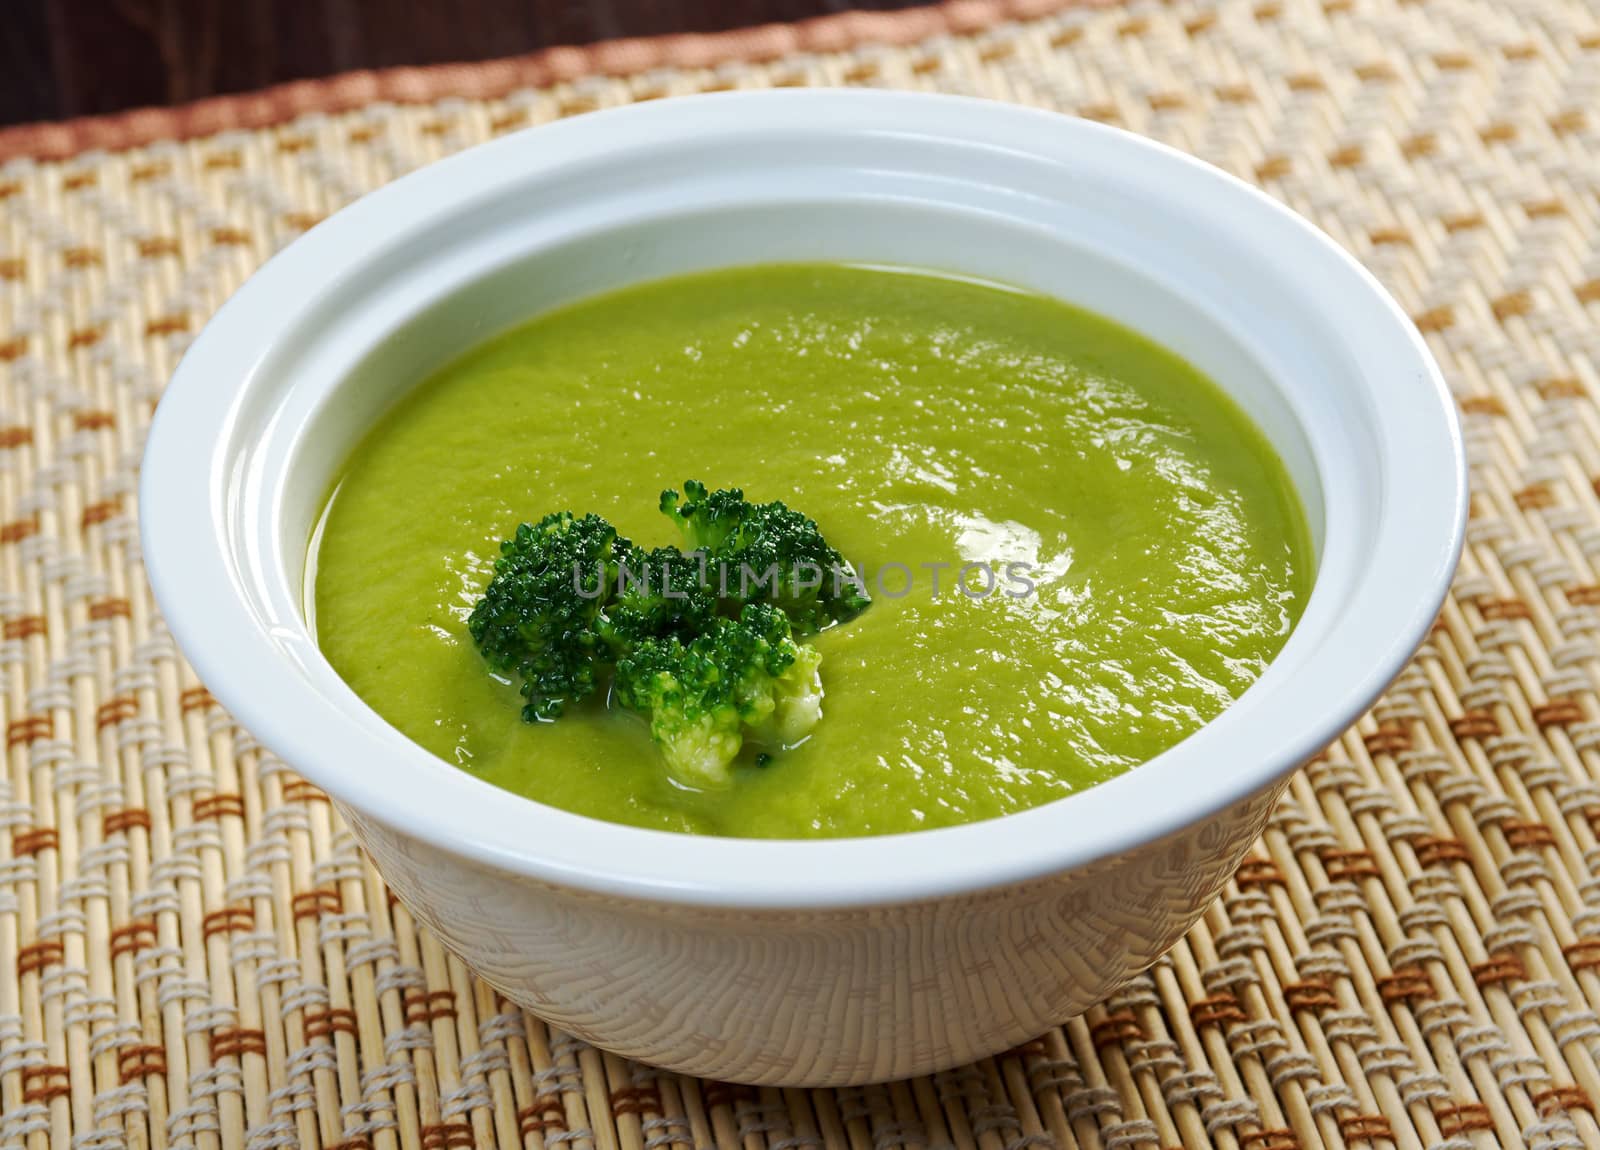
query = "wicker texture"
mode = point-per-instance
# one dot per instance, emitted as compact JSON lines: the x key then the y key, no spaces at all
{"x":195,"y":954}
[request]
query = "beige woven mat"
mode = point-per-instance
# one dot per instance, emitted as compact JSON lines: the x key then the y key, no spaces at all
{"x":195,"y":954}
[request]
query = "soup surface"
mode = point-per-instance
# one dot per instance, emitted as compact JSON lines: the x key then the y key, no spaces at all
{"x":1148,"y":554}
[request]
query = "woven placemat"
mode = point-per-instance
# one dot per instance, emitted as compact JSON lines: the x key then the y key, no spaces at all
{"x":195,"y":953}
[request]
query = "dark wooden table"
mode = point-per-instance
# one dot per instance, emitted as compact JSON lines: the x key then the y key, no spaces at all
{"x":61,"y":58}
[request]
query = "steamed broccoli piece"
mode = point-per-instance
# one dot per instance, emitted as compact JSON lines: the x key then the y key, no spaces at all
{"x":743,"y":679}
{"x":538,"y":618}
{"x":701,"y":642}
{"x":767,"y":551}
{"x":711,"y":521}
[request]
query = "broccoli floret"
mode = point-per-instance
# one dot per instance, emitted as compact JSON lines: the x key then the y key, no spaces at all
{"x":797,"y":702}
{"x":741,"y":680}
{"x":701,"y":642}
{"x":767,"y":551}
{"x":538,"y":617}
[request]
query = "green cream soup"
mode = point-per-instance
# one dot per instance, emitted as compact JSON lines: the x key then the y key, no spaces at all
{"x":1149,"y":556}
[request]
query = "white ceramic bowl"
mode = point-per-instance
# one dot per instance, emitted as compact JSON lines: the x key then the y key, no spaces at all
{"x":803,"y":962}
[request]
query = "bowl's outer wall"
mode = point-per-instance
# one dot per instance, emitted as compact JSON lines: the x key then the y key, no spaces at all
{"x":819,"y":998}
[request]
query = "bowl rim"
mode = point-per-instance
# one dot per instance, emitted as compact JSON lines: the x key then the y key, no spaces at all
{"x":196,"y":583}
